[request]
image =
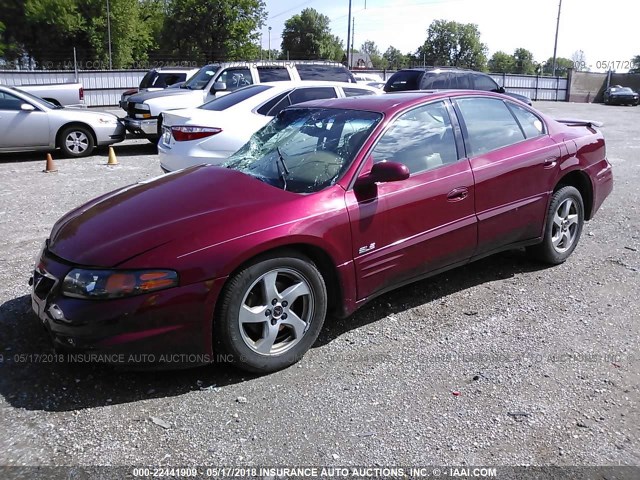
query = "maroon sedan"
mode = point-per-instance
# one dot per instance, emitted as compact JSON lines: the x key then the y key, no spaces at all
{"x":331,"y":204}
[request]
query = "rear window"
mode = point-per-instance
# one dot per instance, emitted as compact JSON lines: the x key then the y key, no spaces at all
{"x":163,"y":80}
{"x":233,"y":98}
{"x":273,"y":74}
{"x":403,"y":80}
{"x":324,"y":72}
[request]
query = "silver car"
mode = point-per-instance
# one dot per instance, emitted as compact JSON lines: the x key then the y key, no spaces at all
{"x":29,"y":123}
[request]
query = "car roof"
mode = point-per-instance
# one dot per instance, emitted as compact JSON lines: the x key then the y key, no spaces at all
{"x":389,"y":103}
{"x":284,"y":84}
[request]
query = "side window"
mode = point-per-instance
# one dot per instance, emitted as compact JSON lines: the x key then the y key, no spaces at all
{"x":236,"y":78}
{"x":484,"y":82}
{"x":300,"y":95}
{"x":265,"y":109}
{"x":530,"y":123}
{"x":435,"y":81}
{"x":461,"y":81}
{"x":9,"y":102}
{"x":309,"y":71}
{"x":422,"y":139}
{"x":490,"y":124}
{"x":273,"y":74}
{"x":355,"y":92}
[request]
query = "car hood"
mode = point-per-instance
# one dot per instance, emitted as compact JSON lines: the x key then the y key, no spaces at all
{"x":167,"y":92}
{"x":123,"y":224}
{"x":78,"y":113}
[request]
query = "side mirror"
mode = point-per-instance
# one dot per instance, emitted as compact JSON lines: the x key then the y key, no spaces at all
{"x":501,"y":90}
{"x":383,"y":172}
{"x":219,"y":86}
{"x":27,"y":107}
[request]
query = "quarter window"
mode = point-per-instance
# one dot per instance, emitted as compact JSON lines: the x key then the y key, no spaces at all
{"x":490,"y":124}
{"x":529,"y":122}
{"x":422,"y":139}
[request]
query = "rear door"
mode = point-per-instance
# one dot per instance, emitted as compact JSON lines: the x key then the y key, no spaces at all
{"x":409,"y":228}
{"x":515,"y":164}
{"x":21,"y":129}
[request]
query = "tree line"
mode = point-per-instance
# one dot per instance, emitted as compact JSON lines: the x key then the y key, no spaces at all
{"x":42,"y":33}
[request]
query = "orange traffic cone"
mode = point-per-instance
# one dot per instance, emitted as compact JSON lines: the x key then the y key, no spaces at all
{"x":112,"y":157}
{"x":51,"y":167}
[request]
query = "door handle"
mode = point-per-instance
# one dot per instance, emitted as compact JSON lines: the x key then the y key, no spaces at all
{"x":550,"y":162}
{"x":457,"y":194}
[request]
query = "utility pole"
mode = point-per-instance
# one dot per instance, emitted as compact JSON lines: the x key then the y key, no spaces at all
{"x":353,"y":37}
{"x":109,"y":34}
{"x":555,"y":45}
{"x":269,"y":43}
{"x":348,"y":35}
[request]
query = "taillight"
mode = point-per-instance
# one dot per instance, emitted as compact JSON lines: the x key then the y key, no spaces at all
{"x":186,"y":133}
{"x":81,"y":93}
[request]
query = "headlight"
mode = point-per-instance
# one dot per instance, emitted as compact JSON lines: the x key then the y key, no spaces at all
{"x":141,"y":106}
{"x":101,"y":284}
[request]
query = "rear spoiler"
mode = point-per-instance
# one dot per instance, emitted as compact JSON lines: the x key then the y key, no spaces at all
{"x":580,"y":123}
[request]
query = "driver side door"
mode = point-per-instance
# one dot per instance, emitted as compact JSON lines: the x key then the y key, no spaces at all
{"x":21,"y":129}
{"x":407,"y":229}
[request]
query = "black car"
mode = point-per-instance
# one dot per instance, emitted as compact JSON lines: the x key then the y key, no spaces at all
{"x":618,"y":95}
{"x":433,"y":78}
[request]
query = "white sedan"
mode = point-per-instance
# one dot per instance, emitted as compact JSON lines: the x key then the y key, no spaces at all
{"x":215,"y":130}
{"x":31,"y":123}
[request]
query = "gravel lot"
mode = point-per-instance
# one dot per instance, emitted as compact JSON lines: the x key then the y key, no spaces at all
{"x":503,"y":362}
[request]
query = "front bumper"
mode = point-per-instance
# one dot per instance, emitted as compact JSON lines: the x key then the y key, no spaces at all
{"x":620,"y":100}
{"x":108,"y":134}
{"x":147,"y":128}
{"x":168,"y":329}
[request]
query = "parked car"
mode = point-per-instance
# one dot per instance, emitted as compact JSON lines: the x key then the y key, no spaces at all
{"x":367,"y":77}
{"x":331,"y":204}
{"x":158,"y":79}
{"x":218,"y":79}
{"x":31,"y":123}
{"x":618,"y":95}
{"x":444,"y":78}
{"x":215,"y":130}
{"x":60,"y":94}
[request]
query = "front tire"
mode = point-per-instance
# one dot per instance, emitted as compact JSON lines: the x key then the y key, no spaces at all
{"x":76,"y":142}
{"x":565,"y":219}
{"x":271,"y":312}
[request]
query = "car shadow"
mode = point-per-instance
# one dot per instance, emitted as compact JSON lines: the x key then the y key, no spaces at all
{"x":30,"y":377}
{"x":129,"y":149}
{"x":496,"y":267}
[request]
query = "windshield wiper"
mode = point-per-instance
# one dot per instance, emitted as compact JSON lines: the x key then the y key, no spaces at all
{"x":283,"y":175}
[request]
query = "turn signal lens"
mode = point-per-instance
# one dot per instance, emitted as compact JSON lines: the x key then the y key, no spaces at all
{"x":185,"y":133}
{"x":104,"y":284}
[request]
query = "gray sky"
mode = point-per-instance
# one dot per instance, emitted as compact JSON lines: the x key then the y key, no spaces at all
{"x":504,"y":25}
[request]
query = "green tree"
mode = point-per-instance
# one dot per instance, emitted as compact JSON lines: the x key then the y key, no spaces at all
{"x":501,"y":62}
{"x":214,"y":29}
{"x":454,"y":44}
{"x":394,"y":58}
{"x":562,"y":66}
{"x":635,"y":64}
{"x":307,"y":36}
{"x":524,"y":63}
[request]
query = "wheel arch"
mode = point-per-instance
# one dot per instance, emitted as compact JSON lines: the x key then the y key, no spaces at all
{"x":322,"y":260}
{"x":75,"y":124}
{"x":581,"y":182}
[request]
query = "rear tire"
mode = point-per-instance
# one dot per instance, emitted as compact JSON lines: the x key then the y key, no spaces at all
{"x":270,"y":313}
{"x":565,"y":219}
